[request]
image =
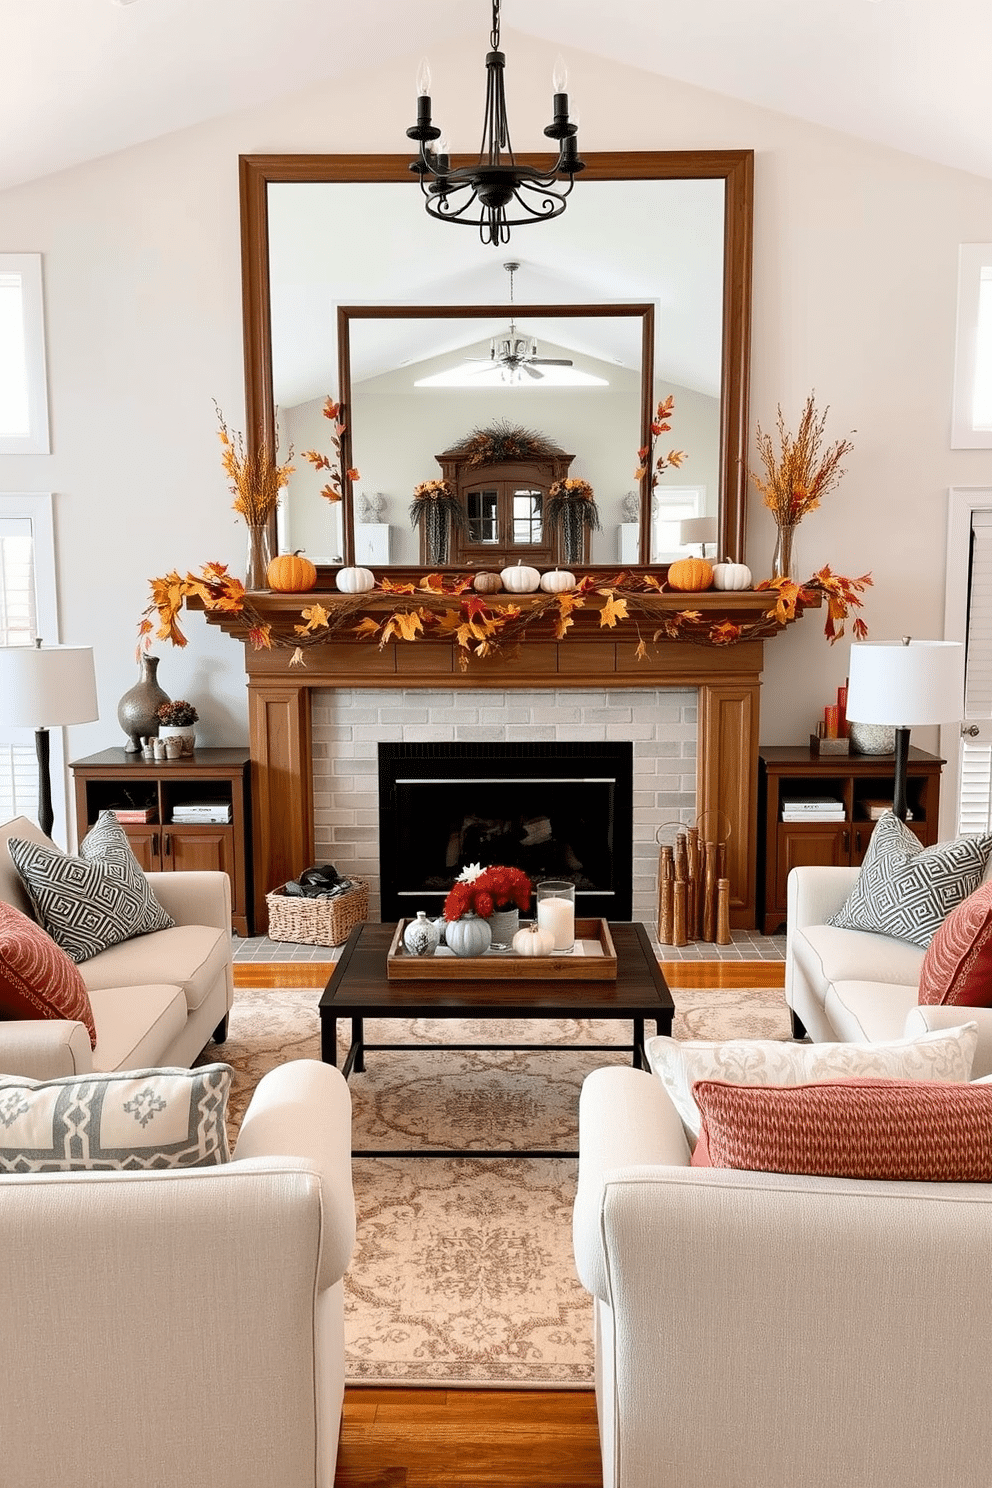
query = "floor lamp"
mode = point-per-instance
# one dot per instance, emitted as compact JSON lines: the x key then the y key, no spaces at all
{"x":901,"y":685}
{"x":46,"y":687}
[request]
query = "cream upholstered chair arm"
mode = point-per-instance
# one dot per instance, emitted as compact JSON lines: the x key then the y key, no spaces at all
{"x":930,"y":1016}
{"x":44,"y":1048}
{"x":201,"y":898}
{"x":625,"y":1120}
{"x":303,"y":1110}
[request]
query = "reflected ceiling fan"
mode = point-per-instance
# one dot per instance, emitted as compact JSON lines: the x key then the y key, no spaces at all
{"x":514,"y":352}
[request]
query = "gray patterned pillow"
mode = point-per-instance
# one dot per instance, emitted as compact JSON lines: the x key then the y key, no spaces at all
{"x":127,"y":1121}
{"x":907,"y":890}
{"x":94,"y":901}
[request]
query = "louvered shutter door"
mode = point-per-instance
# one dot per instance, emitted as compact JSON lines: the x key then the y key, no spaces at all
{"x":975,"y":799}
{"x":18,"y":627}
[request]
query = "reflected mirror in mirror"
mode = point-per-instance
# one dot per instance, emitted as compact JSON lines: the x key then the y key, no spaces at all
{"x":414,"y":385}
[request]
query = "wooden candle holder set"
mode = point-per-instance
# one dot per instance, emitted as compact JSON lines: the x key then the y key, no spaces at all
{"x":693,"y":891}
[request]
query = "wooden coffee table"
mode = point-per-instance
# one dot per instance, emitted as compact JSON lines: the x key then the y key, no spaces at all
{"x":359,"y":988}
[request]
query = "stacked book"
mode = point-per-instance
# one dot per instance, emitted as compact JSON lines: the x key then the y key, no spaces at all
{"x":135,"y":813}
{"x":877,"y":809}
{"x":189,"y":813}
{"x":812,"y":809}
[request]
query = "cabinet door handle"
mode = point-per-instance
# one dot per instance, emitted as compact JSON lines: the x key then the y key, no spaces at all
{"x":857,"y":840}
{"x":846,"y":840}
{"x":168,"y":844}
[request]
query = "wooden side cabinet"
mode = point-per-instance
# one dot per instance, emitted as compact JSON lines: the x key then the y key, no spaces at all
{"x":857,"y":781}
{"x":114,"y":780}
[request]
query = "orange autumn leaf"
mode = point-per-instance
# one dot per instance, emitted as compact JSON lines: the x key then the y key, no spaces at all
{"x":388,"y":587}
{"x":330,"y":409}
{"x":260,"y":636}
{"x":317,"y":460}
{"x":433,"y":583}
{"x":561,"y":626}
{"x":366,"y":628}
{"x":725,"y":634}
{"x":475,"y":608}
{"x":641,"y":650}
{"x":316,"y":618}
{"x":330,"y":494}
{"x":613,"y":610}
{"x":353,"y":474}
{"x":297,"y":658}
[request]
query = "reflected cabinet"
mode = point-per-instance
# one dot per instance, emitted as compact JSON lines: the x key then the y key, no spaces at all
{"x":504,"y":513}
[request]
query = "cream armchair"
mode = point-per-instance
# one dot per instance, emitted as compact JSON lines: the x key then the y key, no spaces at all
{"x":185,"y":1327}
{"x":765,"y":1331}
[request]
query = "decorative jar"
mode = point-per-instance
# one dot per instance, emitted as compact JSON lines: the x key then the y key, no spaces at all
{"x":421,"y":937}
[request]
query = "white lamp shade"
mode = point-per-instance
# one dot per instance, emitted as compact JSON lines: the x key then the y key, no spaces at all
{"x":47,"y":686}
{"x":697,"y":529}
{"x":904,"y":685}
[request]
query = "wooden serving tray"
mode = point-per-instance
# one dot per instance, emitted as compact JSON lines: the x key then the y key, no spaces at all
{"x":593,"y":959}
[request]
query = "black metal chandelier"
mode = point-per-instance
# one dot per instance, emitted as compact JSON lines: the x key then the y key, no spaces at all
{"x":484,"y":195}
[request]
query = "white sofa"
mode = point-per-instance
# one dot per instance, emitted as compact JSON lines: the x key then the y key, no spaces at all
{"x":766,"y":1331}
{"x":851,"y":985}
{"x":157,"y":999}
{"x":184,"y":1327}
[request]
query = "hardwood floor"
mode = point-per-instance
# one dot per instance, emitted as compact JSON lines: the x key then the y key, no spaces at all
{"x":468,"y":1439}
{"x":395,"y":1438}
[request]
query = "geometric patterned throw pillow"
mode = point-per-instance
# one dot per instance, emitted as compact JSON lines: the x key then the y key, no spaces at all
{"x":125,"y":1121}
{"x":94,"y":901}
{"x":37,"y":978}
{"x":906,"y":890}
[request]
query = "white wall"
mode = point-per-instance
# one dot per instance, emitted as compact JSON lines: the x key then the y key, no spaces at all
{"x":854,"y":296}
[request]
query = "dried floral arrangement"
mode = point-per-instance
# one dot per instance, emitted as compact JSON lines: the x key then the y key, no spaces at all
{"x":177,"y":714}
{"x":504,"y":441}
{"x":646,"y":457}
{"x":483,"y":891}
{"x":256,"y":478}
{"x":336,"y":475}
{"x":800,"y":472}
{"x":436,"y":496}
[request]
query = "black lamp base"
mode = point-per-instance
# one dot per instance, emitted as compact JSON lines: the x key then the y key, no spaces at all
{"x":46,"y":815}
{"x":899,"y":802}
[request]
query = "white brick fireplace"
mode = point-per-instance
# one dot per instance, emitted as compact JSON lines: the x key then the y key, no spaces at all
{"x":349,"y":723}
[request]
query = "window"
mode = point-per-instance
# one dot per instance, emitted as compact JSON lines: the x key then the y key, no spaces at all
{"x":971,"y":424}
{"x":27,"y":610}
{"x":23,"y":390}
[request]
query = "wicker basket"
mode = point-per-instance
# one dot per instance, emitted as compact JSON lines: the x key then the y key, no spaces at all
{"x":326,"y":922}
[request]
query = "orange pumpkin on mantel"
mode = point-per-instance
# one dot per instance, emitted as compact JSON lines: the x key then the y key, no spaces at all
{"x":291,"y":573}
{"x":690,"y":574}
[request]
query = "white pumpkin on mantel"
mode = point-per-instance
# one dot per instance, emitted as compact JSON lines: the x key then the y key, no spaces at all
{"x":557,"y":581}
{"x":731,"y":576}
{"x":520,"y":579}
{"x":355,"y":580}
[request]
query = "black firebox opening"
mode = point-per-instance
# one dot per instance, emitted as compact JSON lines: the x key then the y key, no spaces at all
{"x":561,"y":810}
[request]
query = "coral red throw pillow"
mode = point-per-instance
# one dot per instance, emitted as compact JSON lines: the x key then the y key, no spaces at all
{"x":957,"y":967}
{"x":37,"y":978}
{"x":905,"y":1130}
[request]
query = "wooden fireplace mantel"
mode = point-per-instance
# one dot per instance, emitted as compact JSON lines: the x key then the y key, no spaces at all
{"x":727,"y":677}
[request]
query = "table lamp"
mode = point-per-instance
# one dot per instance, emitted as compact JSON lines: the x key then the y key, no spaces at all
{"x":915,"y":682}
{"x":46,"y":687}
{"x":701,"y":530}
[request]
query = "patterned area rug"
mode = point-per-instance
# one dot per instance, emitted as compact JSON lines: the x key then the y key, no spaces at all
{"x":462,"y":1273}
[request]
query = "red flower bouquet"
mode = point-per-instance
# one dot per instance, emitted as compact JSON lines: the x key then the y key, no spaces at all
{"x":486,"y":891}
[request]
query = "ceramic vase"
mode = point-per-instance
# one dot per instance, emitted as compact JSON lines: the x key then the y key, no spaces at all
{"x":136,"y":711}
{"x":504,"y":925}
{"x":421,"y":937}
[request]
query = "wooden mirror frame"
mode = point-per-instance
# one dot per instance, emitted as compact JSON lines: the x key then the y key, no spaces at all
{"x":734,"y":167}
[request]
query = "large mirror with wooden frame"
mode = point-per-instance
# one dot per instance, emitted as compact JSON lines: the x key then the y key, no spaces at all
{"x":640,"y":291}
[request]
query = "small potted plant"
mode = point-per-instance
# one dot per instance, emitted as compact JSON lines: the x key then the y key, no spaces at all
{"x":175,"y":721}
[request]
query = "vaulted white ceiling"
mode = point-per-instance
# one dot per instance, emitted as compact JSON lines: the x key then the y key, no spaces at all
{"x":83,"y":78}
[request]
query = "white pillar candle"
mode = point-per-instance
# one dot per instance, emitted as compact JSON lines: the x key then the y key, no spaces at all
{"x":558,"y":916}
